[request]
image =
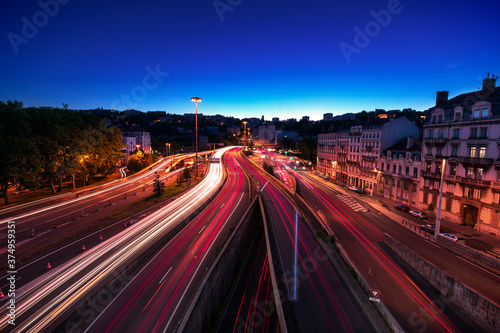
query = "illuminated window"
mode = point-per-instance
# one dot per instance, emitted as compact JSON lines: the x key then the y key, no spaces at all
{"x":482,"y":152}
{"x":472,"y":151}
{"x":485,"y":113}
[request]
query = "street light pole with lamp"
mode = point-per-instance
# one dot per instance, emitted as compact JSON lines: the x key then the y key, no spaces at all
{"x":245,"y":132}
{"x":196,"y":100}
{"x":438,"y":214}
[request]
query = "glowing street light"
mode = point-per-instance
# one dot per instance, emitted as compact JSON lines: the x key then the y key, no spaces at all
{"x":245,"y":131}
{"x":196,"y":100}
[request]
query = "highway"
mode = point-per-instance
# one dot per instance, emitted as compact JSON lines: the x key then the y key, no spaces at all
{"x":319,"y":298}
{"x":251,"y":305}
{"x":40,"y":216}
{"x":157,"y":295}
{"x":44,"y":302}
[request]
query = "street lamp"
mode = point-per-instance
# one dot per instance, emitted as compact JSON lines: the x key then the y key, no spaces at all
{"x":196,"y":100}
{"x":137,"y":146}
{"x":245,"y":131}
{"x":438,"y":214}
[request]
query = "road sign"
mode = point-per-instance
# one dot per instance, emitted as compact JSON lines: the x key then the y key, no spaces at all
{"x":375,"y":294}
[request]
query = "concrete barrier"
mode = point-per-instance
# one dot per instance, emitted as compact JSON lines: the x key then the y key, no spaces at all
{"x":218,"y":279}
{"x":480,"y":309}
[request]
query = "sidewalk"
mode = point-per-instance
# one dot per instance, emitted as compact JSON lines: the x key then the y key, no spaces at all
{"x":475,"y":238}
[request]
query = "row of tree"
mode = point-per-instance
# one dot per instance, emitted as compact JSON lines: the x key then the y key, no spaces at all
{"x":47,"y":146}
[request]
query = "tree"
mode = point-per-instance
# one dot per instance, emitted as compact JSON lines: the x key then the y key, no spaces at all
{"x":268,"y":168}
{"x":287,"y":143}
{"x":19,"y":162}
{"x":381,"y":192}
{"x":308,"y":147}
{"x":431,"y":207}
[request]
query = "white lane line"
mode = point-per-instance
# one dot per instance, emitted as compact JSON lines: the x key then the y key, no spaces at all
{"x":201,"y":262}
{"x":222,"y":205}
{"x":163,"y":278}
{"x":201,"y":229}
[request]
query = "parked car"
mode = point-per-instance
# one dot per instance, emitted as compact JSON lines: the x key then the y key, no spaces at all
{"x":428,"y":228}
{"x":352,"y":188}
{"x":359,"y":191}
{"x":419,"y":214}
{"x":402,"y":208}
{"x":453,"y":237}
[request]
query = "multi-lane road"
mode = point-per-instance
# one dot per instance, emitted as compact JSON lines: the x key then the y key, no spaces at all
{"x":160,"y":260}
{"x":44,"y":302}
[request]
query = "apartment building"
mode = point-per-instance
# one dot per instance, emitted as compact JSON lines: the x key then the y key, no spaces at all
{"x":352,"y":155}
{"x":399,"y":175}
{"x":465,"y":132}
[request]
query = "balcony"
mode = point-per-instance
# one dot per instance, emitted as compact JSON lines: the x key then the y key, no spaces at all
{"x":475,"y":162}
{"x":432,"y":142}
{"x":474,"y":182}
{"x":352,"y":162}
{"x":341,"y":153}
{"x":369,"y":148}
{"x":428,"y":174}
{"x":369,"y":157}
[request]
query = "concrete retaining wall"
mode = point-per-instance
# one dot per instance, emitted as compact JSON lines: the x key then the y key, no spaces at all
{"x":482,"y":310}
{"x":218,"y":279}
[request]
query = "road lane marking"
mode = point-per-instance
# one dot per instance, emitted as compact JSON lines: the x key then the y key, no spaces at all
{"x":201,"y":229}
{"x":165,"y":275}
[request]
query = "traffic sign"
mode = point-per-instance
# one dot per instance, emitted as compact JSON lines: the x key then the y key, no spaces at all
{"x":375,"y":293}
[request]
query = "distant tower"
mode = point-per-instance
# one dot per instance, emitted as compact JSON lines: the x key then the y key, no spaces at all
{"x":65,"y":106}
{"x":262,"y":118}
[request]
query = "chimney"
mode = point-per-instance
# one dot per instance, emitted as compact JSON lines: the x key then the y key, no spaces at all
{"x":488,"y":86}
{"x":409,"y":142}
{"x":441,"y":98}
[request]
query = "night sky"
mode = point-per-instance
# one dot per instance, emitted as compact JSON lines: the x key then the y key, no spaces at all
{"x":246,"y":57}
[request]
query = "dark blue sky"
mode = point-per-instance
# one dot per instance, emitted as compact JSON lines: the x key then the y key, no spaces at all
{"x":249,"y":57}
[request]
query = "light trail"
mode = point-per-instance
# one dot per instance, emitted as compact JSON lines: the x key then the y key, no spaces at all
{"x":335,"y":209}
{"x":107,"y":257}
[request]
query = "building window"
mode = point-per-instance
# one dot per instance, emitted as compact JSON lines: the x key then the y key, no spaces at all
{"x":485,"y":113}
{"x":440,"y":118}
{"x":441,"y":134}
{"x":428,"y":167}
{"x":414,"y":188}
{"x":467,"y":192}
{"x":456,"y":133}
{"x":453,"y":169}
{"x":427,"y":183}
{"x":477,"y":194}
{"x":439,"y":151}
{"x":415,"y":172}
{"x":482,"y":132}
{"x":434,"y":119}
{"x":479,"y":173}
{"x":482,"y":152}
{"x":431,"y":134}
{"x":394,"y":168}
{"x":472,"y":151}
{"x":454,"y":151}
{"x":436,"y":185}
{"x":473,"y":133}
{"x":399,"y":169}
{"x":457,"y":116}
{"x":470,"y":173}
{"x":448,"y":204}
{"x":476,"y":114}
{"x":451,"y":188}
{"x":382,"y":166}
{"x":407,"y":170}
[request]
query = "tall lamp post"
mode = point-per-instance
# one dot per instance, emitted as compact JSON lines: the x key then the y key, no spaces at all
{"x":438,"y":214}
{"x":245,"y":132}
{"x":196,"y":100}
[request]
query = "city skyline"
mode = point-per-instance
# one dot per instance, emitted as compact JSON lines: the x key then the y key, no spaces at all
{"x":245,"y":59}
